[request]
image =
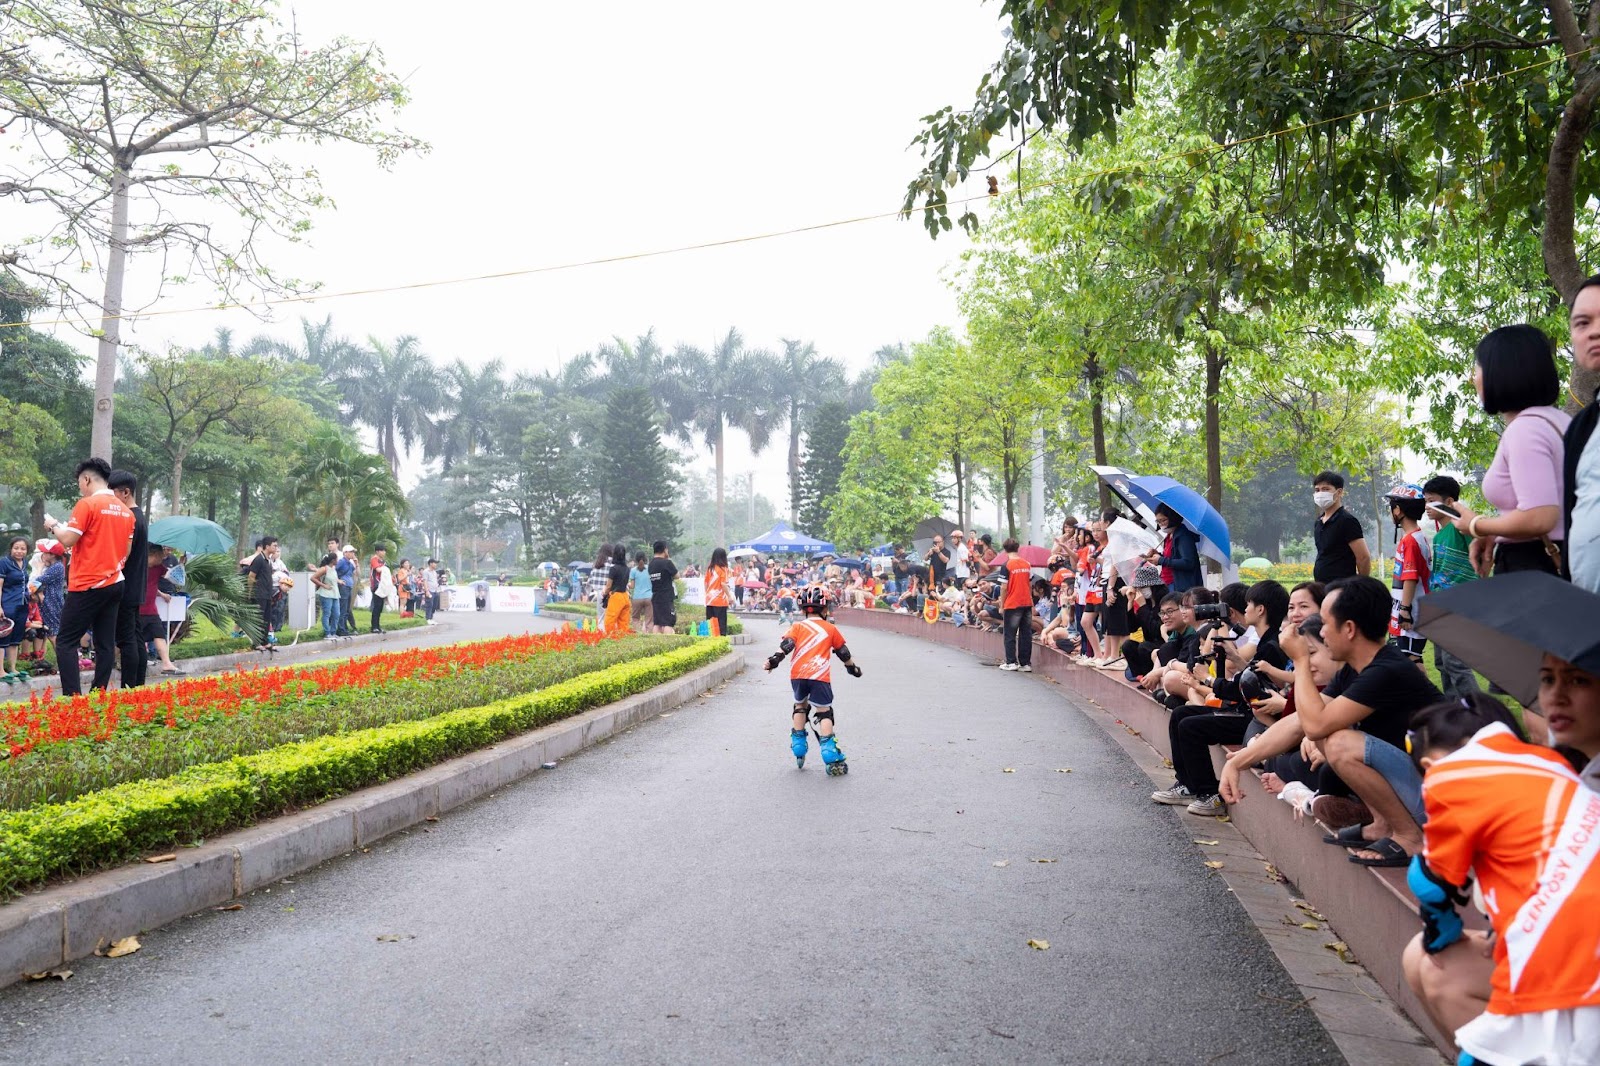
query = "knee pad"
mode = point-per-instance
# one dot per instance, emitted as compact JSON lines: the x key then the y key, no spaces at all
{"x":820,"y":713}
{"x":803,"y":707}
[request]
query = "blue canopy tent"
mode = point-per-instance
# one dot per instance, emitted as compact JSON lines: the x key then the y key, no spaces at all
{"x":784,"y":538}
{"x":883,"y":551}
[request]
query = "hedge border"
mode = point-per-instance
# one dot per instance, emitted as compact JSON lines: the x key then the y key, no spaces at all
{"x":579,"y":609}
{"x":120,"y":822}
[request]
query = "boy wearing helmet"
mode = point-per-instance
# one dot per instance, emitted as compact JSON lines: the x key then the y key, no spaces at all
{"x":813,"y":640}
{"x":1413,"y":566}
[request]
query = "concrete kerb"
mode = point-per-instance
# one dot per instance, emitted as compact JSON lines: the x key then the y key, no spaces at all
{"x":41,"y":932}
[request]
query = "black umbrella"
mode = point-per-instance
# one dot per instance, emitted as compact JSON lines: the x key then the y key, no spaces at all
{"x":1503,"y":626}
{"x":1117,"y":480}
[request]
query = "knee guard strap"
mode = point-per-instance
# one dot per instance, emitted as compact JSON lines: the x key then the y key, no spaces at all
{"x":819,"y":713}
{"x":802,"y":707}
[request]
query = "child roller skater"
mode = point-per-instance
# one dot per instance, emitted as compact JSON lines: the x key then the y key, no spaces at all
{"x":812,"y":640}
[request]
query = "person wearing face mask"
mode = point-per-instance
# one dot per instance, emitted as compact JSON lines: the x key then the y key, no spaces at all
{"x":1179,"y":557}
{"x":1341,"y":546}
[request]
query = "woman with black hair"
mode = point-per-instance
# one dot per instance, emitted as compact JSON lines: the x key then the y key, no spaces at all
{"x":1179,"y":557}
{"x":1514,"y":371}
{"x":619,"y":605}
{"x":717,"y":590}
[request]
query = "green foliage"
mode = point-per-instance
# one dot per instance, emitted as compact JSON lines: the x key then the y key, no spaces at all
{"x":334,"y":489}
{"x":119,"y":822}
{"x":636,"y":475}
{"x":888,"y":482}
{"x":827,"y":430}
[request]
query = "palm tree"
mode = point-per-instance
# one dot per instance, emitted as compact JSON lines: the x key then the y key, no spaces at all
{"x":334,"y":489}
{"x":803,"y":379}
{"x":320,"y":348}
{"x":392,"y":389}
{"x":728,"y":386}
{"x":467,"y":415}
{"x":216,"y":593}
{"x":644,"y":364}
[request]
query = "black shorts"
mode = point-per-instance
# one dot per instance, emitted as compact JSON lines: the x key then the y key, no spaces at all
{"x":151,"y":627}
{"x":663,"y":614}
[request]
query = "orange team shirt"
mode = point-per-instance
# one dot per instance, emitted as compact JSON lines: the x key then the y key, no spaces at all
{"x":814,"y":642}
{"x":1514,"y":816}
{"x":717,"y":586}
{"x":105,"y":529}
{"x":1019,"y":579}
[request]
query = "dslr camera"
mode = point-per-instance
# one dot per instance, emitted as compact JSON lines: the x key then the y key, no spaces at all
{"x":1210,"y":612}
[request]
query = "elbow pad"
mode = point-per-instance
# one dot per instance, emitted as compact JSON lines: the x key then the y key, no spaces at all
{"x":843,"y":652}
{"x":1437,"y":899}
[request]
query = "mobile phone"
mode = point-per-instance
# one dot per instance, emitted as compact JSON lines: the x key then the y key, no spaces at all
{"x":1444,"y":509}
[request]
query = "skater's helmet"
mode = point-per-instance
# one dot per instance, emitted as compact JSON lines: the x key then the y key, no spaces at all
{"x":813,"y":600}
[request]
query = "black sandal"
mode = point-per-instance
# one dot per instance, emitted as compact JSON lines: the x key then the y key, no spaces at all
{"x":1390,"y":855}
{"x":1348,"y":837}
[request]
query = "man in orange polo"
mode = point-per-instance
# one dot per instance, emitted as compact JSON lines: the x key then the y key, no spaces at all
{"x":99,"y":534}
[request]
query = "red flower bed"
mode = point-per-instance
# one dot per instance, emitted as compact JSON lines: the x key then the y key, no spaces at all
{"x":48,"y":719}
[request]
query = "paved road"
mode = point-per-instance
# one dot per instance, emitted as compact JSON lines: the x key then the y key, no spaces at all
{"x":683,"y":894}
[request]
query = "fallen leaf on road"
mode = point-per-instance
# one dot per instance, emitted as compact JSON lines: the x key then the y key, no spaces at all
{"x":1041,"y":860}
{"x":1310,"y":925}
{"x":168,"y":857}
{"x":230,"y":907}
{"x":431,"y":818}
{"x":1341,"y":949}
{"x":1008,"y":770}
{"x":666,"y":714}
{"x":1272,"y":872}
{"x":1039,"y":945}
{"x":1167,"y":763}
{"x":61,"y":975}
{"x":1003,"y":862}
{"x":1059,"y":770}
{"x":1223,"y":818}
{"x":1309,"y":909}
{"x":126,"y":946}
{"x":394,"y":938}
{"x":1213,"y":865}
{"x":1207,"y":843}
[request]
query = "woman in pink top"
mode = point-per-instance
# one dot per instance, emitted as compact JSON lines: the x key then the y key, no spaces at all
{"x":1516,"y":378}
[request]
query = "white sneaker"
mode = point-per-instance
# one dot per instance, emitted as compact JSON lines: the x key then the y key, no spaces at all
{"x":1208,"y":806}
{"x":1025,"y":669}
{"x":1008,"y":666}
{"x":1176,"y":796}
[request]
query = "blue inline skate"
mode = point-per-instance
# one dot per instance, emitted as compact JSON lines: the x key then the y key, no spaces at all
{"x":832,"y":758}
{"x":799,"y":744}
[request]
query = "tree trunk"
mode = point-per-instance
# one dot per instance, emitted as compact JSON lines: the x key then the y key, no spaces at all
{"x":105,"y":370}
{"x":177,"y":482}
{"x":36,"y":516}
{"x":1097,"y":418}
{"x":1557,"y":241}
{"x":211,"y":506}
{"x":244,"y":512}
{"x":1215,"y":362}
{"x":794,"y":466}
{"x":961,"y":488}
{"x":722,"y":524}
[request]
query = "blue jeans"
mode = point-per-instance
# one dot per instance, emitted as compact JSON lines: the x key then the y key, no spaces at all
{"x":1400,"y":772}
{"x":330,"y":614}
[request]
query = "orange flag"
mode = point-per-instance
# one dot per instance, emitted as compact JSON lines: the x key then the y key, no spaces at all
{"x":930,"y":609}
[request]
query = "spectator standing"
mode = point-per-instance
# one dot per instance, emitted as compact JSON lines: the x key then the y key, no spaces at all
{"x":430,"y":588}
{"x":1341,"y":547}
{"x":50,"y":588}
{"x":282,"y":582}
{"x":14,"y":605}
{"x":1514,"y":372}
{"x":639,"y":593}
{"x":1452,"y":565}
{"x":938,"y":560}
{"x":346,"y":569}
{"x":129,"y":646}
{"x":1179,"y":557}
{"x":1580,"y":504}
{"x":960,"y":558}
{"x":1412,"y":570}
{"x":403,"y":583}
{"x":383,"y":589}
{"x":157,"y":590}
{"x":98,"y":532}
{"x":325,"y":579}
{"x":1115,"y":616}
{"x":257,"y":571}
{"x":717,"y":590}
{"x":618,"y":602}
{"x":663,"y":593}
{"x":1017,"y":608}
{"x":901,"y":568}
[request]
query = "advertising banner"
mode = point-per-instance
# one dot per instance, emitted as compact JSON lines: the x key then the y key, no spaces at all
{"x":518,"y":598}
{"x":694,"y":591}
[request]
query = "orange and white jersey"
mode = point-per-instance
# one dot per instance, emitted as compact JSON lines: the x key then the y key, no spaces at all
{"x":1515,"y":817}
{"x":814,"y":641}
{"x":717,"y":586}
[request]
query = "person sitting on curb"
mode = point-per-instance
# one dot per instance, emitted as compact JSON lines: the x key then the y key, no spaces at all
{"x":1359,"y":721}
{"x":1182,"y":640}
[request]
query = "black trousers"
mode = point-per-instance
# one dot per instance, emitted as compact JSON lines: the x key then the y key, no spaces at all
{"x":267,"y":619}
{"x":1018,"y":636}
{"x":130,"y":647}
{"x":1191,"y":731}
{"x":347,"y":623}
{"x":90,"y":611}
{"x":720,"y":615}
{"x":1140,"y":655}
{"x":377,"y":611}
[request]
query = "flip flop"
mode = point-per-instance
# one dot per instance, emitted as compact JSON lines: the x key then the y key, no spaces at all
{"x":1390,"y":854}
{"x":1348,"y":837}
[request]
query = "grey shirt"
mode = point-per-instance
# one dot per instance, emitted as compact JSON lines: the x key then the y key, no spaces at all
{"x":1583,"y":537}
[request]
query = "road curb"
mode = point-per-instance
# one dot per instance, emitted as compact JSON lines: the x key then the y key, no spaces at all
{"x":42,"y":931}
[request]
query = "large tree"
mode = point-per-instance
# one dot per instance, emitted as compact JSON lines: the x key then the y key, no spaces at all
{"x":827,"y":431}
{"x":637,"y":476}
{"x":150,"y":128}
{"x":801,"y":380}
{"x":728,"y":386}
{"x":393,"y":388}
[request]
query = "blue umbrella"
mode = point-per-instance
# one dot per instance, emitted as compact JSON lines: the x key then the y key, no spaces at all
{"x":850,"y":564}
{"x":1202,"y":519}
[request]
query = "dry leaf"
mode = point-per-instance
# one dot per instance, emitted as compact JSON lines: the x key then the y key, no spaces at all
{"x":1272,"y":872}
{"x":1213,"y":865}
{"x":61,"y":975}
{"x":170,"y":856}
{"x":1341,"y":949}
{"x":230,"y":907}
{"x":1059,"y":770}
{"x":1167,"y":763}
{"x":1223,"y":818}
{"x":394,"y":938}
{"x":1008,"y":770}
{"x":1310,"y":910}
{"x":1003,"y":862}
{"x":1207,"y":843}
{"x":1039,"y":945}
{"x":126,"y":946}
{"x":1310,"y":925}
{"x":431,"y":818}
{"x":1041,"y":860}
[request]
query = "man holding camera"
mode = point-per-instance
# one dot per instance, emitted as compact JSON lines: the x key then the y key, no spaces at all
{"x":938,"y":560}
{"x":1193,"y":729}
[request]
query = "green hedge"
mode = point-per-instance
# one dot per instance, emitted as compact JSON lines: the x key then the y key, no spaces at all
{"x":577,"y":607}
{"x":688,"y":616}
{"x":121,"y":822}
{"x":196,"y":649}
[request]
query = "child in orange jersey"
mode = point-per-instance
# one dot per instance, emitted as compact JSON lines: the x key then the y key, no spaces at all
{"x":813,"y":640}
{"x":1511,"y":821}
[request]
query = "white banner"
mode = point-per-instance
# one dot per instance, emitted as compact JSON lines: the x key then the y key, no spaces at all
{"x":694,"y":591}
{"x":460,"y":599}
{"x":510,"y":598}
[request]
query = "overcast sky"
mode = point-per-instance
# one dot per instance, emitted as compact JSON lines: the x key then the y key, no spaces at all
{"x":566,"y":132}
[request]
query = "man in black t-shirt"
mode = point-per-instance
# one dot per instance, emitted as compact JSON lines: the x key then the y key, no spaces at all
{"x":663,"y":593}
{"x":1359,"y":721}
{"x":1341,"y":546}
{"x":938,"y":560}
